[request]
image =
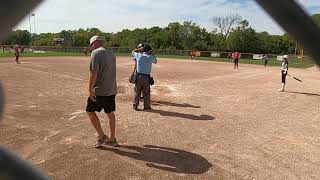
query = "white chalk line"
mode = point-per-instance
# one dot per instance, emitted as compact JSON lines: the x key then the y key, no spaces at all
{"x":173,"y":89}
{"x":73,"y":117}
{"x":79,"y":79}
{"x":76,"y":114}
{"x":236,"y":75}
{"x":14,"y":63}
{"x":254,"y":75}
{"x":52,"y":74}
{"x":59,"y":75}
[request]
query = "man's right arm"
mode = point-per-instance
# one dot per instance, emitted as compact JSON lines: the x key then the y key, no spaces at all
{"x":92,"y":82}
{"x":94,"y":68}
{"x":134,"y":68}
{"x":134,"y":57}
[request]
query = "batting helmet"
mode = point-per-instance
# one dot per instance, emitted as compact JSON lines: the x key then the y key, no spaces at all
{"x":146,"y":47}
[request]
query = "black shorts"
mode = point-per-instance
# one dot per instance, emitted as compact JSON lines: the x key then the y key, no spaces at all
{"x":236,"y":61}
{"x":108,"y":103}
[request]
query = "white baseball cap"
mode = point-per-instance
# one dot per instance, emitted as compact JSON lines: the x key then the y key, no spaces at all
{"x":285,"y":57}
{"x":96,"y":38}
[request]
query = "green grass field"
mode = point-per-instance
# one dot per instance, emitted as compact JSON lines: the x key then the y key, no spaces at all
{"x":294,"y":62}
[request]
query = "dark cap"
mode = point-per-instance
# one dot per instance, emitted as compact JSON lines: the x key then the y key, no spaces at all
{"x":147,"y":48}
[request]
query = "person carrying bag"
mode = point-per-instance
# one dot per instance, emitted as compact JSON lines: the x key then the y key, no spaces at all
{"x":141,"y":75}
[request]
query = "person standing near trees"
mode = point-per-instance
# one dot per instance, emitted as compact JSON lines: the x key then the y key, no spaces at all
{"x":193,"y":55}
{"x":229,"y":56}
{"x":236,"y":57}
{"x":17,"y":53}
{"x":85,"y":51}
{"x":266,"y":59}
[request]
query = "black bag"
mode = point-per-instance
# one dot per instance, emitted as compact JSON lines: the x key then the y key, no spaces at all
{"x":151,"y":81}
{"x":133,"y":78}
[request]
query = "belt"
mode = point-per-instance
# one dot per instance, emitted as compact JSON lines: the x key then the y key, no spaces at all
{"x":143,"y":74}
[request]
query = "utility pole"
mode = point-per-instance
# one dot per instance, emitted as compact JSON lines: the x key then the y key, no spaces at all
{"x":34,"y":19}
{"x":30,"y":24}
{"x":34,"y":29}
{"x":30,"y":30}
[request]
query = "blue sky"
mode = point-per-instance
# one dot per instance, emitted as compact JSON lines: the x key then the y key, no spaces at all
{"x":115,"y":15}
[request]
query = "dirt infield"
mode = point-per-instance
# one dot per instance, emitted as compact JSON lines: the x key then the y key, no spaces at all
{"x":208,"y":121}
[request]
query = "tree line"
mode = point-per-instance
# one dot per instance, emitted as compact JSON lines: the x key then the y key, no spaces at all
{"x":232,"y":33}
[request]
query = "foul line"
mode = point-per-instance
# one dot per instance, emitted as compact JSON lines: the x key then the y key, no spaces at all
{"x":201,"y":80}
{"x":53,"y":74}
{"x":235,"y":75}
{"x":255,"y":75}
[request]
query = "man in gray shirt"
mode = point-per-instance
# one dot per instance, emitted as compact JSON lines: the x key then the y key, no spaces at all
{"x":102,"y":89}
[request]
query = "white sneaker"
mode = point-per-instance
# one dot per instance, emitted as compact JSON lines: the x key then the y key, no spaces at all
{"x":101,"y":141}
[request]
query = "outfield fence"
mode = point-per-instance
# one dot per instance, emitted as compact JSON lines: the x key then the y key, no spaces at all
{"x":126,"y":50}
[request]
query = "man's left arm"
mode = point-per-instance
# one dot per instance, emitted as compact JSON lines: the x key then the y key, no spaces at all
{"x":155,"y":60}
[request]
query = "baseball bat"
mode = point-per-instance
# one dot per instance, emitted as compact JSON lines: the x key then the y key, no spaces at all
{"x":295,"y":78}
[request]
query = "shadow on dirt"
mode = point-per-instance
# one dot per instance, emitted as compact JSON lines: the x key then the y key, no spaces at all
{"x":182,"y":115}
{"x":163,"y":158}
{"x":308,"y":94}
{"x":165,"y":103}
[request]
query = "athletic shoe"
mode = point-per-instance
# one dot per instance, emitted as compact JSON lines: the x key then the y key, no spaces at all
{"x":101,"y":141}
{"x":113,"y":143}
{"x":135,"y":108}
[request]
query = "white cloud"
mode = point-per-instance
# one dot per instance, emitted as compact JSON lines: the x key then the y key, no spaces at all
{"x":115,"y":15}
{"x":309,"y":3}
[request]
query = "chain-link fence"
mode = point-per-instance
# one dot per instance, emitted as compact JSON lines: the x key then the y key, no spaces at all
{"x":124,"y":50}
